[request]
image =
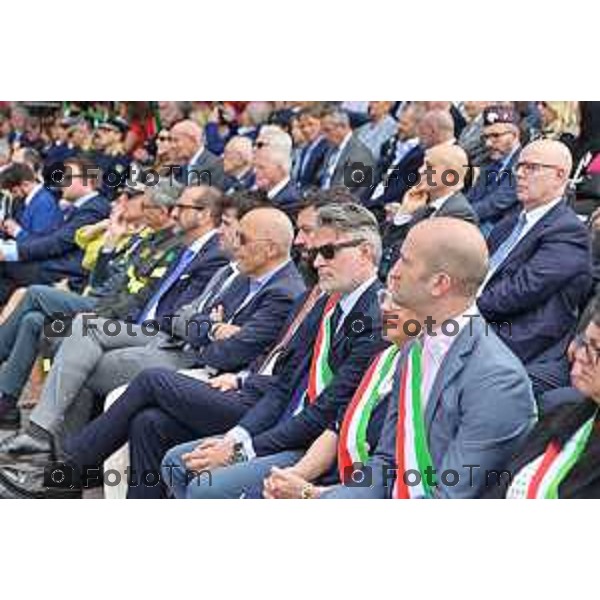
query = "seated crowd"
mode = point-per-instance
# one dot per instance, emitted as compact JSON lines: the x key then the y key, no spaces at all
{"x":297,"y":300}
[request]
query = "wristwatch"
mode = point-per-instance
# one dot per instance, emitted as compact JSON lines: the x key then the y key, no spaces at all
{"x":308,"y":491}
{"x":238,"y":455}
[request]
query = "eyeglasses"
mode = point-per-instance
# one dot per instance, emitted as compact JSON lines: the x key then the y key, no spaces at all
{"x":495,"y":135}
{"x":532,"y":168}
{"x":328,"y":251}
{"x":243,"y":240}
{"x":592,"y":353}
{"x":190,"y":206}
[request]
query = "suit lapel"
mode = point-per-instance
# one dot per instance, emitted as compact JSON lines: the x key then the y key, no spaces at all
{"x":452,"y":364}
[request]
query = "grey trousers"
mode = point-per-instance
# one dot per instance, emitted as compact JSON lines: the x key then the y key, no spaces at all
{"x":99,"y":356}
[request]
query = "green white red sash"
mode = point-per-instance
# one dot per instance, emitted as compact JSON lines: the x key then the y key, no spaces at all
{"x":320,"y":374}
{"x":542,"y":477}
{"x":412,"y":451}
{"x":352,"y":446}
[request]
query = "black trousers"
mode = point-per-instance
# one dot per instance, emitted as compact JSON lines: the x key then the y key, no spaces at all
{"x":159,"y":409}
{"x":17,"y":274}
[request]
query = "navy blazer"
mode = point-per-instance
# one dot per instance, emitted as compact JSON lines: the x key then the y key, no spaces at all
{"x":350,"y":357}
{"x":542,"y":286}
{"x":193,"y":280}
{"x":260,"y":320}
{"x":56,"y":252}
{"x":479,"y":410}
{"x":308,"y":173}
{"x":41,"y":215}
{"x":288,"y":199}
{"x":400,"y":180}
{"x":233,"y":184}
{"x":208,"y":169}
{"x":494,"y":194}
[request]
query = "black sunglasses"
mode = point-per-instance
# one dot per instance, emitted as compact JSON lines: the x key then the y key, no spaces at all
{"x":328,"y":251}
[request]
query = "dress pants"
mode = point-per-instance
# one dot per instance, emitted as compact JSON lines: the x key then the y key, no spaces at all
{"x":20,"y":334}
{"x":236,"y":481}
{"x":159,"y":409}
{"x":92,"y":361}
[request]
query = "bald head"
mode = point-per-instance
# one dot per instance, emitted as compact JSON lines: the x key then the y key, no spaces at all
{"x":454,"y":247}
{"x":187,"y":139}
{"x":436,"y":127}
{"x":238,"y":156}
{"x":443,"y":263}
{"x":543,"y":171}
{"x":450,"y":165}
{"x":272,"y":224}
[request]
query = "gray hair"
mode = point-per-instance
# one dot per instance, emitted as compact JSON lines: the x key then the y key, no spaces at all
{"x":165,"y":193}
{"x":339,"y":117}
{"x":353,"y":220}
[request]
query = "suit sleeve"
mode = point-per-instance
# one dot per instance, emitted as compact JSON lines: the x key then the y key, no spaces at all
{"x":497,"y":201}
{"x":59,"y":242}
{"x":301,"y":430}
{"x":556,"y":262}
{"x":257,"y":334}
{"x":495,"y":418}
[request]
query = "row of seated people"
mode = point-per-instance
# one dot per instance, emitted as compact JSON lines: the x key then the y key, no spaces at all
{"x":266,"y":408}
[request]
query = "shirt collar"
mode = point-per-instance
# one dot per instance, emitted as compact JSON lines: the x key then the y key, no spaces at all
{"x":344,"y":143}
{"x":347,"y":301}
{"x":196,"y":156}
{"x":32,"y":193}
{"x":533,"y":216}
{"x":81,"y":201}
{"x":437,"y":345}
{"x":257,"y":283}
{"x":198,"y":244}
{"x":277,"y":188}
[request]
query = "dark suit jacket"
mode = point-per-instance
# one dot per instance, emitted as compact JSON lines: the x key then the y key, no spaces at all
{"x":349,"y":360}
{"x":193,"y":280}
{"x":207,"y":162}
{"x":494,"y":193}
{"x":354,"y":152}
{"x":56,"y":252}
{"x":288,"y":199}
{"x":399,"y":181}
{"x":456,"y":206}
{"x":583,"y":481}
{"x":313,"y":163}
{"x":542,"y":286}
{"x":260,"y":320}
{"x":233,"y":184}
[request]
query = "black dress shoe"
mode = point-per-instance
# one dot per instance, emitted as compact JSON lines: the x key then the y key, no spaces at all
{"x":28,"y":484}
{"x":24,"y":447}
{"x":10,"y":415}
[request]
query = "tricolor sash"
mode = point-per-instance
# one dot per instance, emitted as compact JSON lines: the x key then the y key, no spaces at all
{"x":352,"y":445}
{"x":320,"y":374}
{"x":412,"y":450}
{"x":542,"y":477}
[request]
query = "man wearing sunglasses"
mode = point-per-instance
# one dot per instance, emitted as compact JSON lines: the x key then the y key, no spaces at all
{"x":494,"y":193}
{"x":540,"y":273}
{"x":316,"y":377}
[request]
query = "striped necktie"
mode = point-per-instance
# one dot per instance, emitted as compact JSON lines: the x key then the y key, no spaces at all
{"x":509,"y":243}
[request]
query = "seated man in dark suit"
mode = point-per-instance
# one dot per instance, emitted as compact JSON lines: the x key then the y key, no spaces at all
{"x":238,"y":158}
{"x":53,"y":256}
{"x":438,"y":194}
{"x":195,"y":164}
{"x":35,"y":209}
{"x":540,"y":273}
{"x":401,"y":158}
{"x":272,"y":168}
{"x":345,"y":150}
{"x":313,"y":152}
{"x":494,"y":193}
{"x":317,"y":377}
{"x":461,"y":402}
{"x":235,"y":325}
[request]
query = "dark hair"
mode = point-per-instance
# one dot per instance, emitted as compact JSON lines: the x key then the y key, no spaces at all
{"x":316,"y":198}
{"x":244,"y":201}
{"x":209,"y":198}
{"x":87,"y":166}
{"x":15,"y":174}
{"x":316,"y":111}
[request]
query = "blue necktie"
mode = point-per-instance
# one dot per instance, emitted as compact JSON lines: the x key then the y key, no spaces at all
{"x":509,"y":243}
{"x":182,"y":265}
